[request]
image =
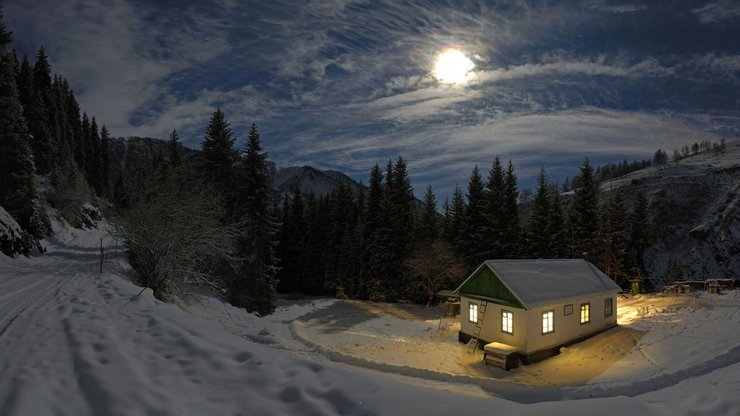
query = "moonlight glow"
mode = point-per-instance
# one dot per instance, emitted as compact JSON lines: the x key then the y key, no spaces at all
{"x":452,"y":66}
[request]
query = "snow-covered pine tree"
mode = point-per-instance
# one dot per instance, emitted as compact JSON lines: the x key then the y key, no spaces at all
{"x":17,"y":189}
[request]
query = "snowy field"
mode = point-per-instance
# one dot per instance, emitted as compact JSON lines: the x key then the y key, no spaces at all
{"x":74,"y":341}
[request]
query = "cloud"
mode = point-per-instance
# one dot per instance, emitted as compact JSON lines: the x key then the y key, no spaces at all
{"x":419,"y":103}
{"x":610,"y":7}
{"x":718,"y":12}
{"x":648,"y":67}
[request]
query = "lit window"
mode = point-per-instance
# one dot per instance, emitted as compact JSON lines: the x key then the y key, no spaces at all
{"x":568,"y":309}
{"x":585,"y":313}
{"x":608,"y":307}
{"x":473,"y":312}
{"x":507,"y":322}
{"x":548,"y":319}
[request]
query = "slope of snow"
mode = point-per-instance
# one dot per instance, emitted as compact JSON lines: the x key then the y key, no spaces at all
{"x":74,"y":341}
{"x":694,"y":214}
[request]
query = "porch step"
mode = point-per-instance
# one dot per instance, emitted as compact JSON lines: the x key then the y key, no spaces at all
{"x":501,"y":355}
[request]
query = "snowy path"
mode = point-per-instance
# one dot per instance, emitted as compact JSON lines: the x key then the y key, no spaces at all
{"x":76,"y":342}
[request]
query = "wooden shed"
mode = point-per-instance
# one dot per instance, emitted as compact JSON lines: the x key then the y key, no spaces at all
{"x":531,"y":308}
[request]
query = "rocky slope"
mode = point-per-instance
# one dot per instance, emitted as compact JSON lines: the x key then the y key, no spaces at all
{"x":694,"y":213}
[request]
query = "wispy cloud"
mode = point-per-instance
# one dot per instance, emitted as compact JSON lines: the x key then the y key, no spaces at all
{"x":718,"y":12}
{"x":648,"y":67}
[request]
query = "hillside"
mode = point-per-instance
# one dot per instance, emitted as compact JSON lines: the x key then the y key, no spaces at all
{"x":694,"y":213}
{"x":309,"y":179}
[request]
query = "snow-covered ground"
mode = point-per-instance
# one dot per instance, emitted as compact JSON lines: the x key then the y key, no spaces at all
{"x":74,"y":341}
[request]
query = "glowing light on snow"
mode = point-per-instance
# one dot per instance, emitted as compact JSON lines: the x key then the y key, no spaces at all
{"x":452,"y":66}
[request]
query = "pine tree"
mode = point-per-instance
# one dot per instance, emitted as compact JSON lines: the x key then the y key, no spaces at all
{"x":639,"y":233}
{"x":24,"y":83}
{"x":537,"y":239}
{"x":312,"y":272}
{"x":341,"y":223}
{"x":611,"y":249}
{"x":446,"y":218}
{"x":40,"y":115}
{"x":474,"y":243}
{"x":495,"y":195}
{"x":94,"y":177}
{"x":511,"y":230}
{"x":75,"y":122}
{"x":17,"y":189}
{"x":105,"y":161}
{"x":255,"y":286}
{"x":290,"y":249}
{"x":174,"y":146}
{"x":557,"y":237}
{"x":454,"y":232}
{"x":218,"y":155}
{"x":428,"y":229}
{"x":373,"y":235}
{"x":584,"y":217}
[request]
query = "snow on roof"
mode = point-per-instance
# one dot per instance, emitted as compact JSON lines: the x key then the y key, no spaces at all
{"x":541,"y":282}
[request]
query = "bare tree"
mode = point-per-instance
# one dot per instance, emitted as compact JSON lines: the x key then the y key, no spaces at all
{"x":174,"y":235}
{"x":433,"y":267}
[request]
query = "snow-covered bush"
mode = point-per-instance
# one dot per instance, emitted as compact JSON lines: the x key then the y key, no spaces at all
{"x":174,"y":234}
{"x":13,"y":240}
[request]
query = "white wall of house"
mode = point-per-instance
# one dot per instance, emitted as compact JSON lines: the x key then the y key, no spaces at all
{"x":527,"y":324}
{"x":568,"y":327}
{"x":491,"y":330}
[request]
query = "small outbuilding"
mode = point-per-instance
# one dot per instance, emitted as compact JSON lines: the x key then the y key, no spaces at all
{"x":531,"y":308}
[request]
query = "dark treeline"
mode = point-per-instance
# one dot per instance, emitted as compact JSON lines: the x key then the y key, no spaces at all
{"x":42,"y":132}
{"x":608,"y":171}
{"x":380,"y":245}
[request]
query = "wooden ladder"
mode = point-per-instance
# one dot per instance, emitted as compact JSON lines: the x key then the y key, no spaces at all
{"x":473,"y":342}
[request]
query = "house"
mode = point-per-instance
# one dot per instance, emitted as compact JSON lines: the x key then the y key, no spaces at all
{"x":531,"y":308}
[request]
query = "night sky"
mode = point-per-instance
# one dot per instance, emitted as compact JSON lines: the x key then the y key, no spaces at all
{"x":346,"y":84}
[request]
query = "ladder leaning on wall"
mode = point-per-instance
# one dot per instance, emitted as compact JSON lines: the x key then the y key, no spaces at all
{"x":473,"y":342}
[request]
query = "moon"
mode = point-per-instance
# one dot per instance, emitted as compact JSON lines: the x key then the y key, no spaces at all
{"x":452,"y":66}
